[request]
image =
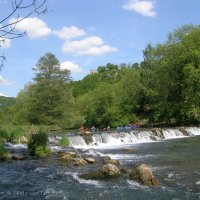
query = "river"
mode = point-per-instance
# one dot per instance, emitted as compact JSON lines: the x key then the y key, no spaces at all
{"x":174,"y":160}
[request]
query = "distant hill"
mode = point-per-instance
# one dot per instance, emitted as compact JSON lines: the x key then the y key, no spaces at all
{"x":7,"y":101}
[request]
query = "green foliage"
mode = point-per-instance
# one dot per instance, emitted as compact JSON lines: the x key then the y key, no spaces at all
{"x":42,"y":151}
{"x":4,"y":154}
{"x":37,"y":145}
{"x":12,"y":134}
{"x":64,"y":142}
{"x":49,"y":100}
{"x":163,"y":89}
{"x":7,"y":101}
{"x":6,"y":104}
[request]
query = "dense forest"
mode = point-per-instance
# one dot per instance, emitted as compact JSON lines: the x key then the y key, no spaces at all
{"x":163,"y":89}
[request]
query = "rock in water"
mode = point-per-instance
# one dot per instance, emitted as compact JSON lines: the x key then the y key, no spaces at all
{"x":107,"y":171}
{"x":79,"y":162}
{"x":66,"y":155}
{"x":17,"y":157}
{"x":143,"y":174}
{"x":110,"y":171}
{"x":90,"y":160}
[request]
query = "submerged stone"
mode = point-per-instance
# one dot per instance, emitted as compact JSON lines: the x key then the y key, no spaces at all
{"x":129,"y":149}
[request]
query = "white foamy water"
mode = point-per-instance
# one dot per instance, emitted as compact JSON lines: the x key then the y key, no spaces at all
{"x":78,"y":142}
{"x":83,"y":181}
{"x":172,"y":134}
{"x":19,"y":146}
{"x":193,"y":130}
{"x":40,"y":169}
{"x":136,"y":185}
{"x":107,"y":140}
{"x":170,"y":175}
{"x":56,"y":148}
{"x":117,"y":140}
{"x":197,"y":183}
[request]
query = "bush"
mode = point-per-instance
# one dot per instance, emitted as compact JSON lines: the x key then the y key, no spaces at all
{"x":42,"y":151}
{"x":37,"y":144}
{"x":4,"y":154}
{"x":64,"y":142}
{"x":12,"y":134}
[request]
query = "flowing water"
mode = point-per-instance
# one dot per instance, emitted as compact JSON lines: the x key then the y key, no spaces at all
{"x":173,"y":156}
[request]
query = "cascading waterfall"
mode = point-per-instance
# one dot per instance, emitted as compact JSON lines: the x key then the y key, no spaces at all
{"x":193,"y":130}
{"x":125,"y":138}
{"x":77,"y":141}
{"x":172,"y":133}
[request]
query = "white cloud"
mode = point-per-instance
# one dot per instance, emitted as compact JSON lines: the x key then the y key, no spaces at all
{"x":4,"y":95}
{"x":67,"y":33}
{"x":143,"y":7}
{"x":34,"y":27}
{"x":74,"y":68}
{"x":5,"y":43}
{"x":4,"y":81}
{"x":76,"y":71}
{"x":88,"y":46}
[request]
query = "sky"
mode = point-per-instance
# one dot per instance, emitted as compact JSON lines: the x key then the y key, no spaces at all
{"x":85,"y":34}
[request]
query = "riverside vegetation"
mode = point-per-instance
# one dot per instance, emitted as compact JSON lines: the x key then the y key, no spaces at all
{"x":118,"y":94}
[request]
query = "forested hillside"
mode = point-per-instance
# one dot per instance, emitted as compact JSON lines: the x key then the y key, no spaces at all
{"x":6,"y":101}
{"x":163,"y":89}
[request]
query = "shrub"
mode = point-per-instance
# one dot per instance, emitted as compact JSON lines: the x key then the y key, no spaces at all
{"x":37,"y":144}
{"x":64,"y":142}
{"x":42,"y":151}
{"x":4,"y":154}
{"x":11,"y":134}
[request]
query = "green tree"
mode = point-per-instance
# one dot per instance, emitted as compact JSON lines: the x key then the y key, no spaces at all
{"x":51,"y":96}
{"x":48,"y":100}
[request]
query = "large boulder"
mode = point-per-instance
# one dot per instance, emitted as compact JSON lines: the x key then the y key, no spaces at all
{"x":144,"y":175}
{"x":107,"y":171}
{"x":110,"y":171}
